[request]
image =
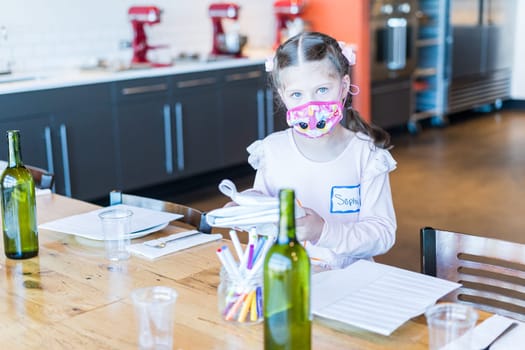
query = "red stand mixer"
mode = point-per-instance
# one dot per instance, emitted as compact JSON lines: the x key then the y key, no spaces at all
{"x":229,"y":44}
{"x":140,"y":16}
{"x":288,"y":19}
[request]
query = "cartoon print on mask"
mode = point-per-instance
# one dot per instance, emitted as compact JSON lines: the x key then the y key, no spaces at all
{"x":316,"y":118}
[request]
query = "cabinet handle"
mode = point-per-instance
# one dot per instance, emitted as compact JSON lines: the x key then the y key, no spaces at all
{"x":243,"y":76}
{"x":49,"y":149}
{"x":145,"y":88}
{"x":260,"y":113}
{"x":180,"y":136}
{"x":196,"y":82}
{"x":168,"y":141}
{"x":269,"y":111}
{"x":65,"y":159}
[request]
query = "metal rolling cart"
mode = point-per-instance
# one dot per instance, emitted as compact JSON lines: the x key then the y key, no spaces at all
{"x":431,"y":77}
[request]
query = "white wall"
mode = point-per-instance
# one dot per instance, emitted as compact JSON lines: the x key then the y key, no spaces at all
{"x":55,"y":34}
{"x":518,"y":74}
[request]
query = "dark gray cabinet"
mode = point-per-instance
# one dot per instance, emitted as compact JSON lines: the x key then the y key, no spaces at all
{"x":84,"y":142}
{"x":135,"y":133}
{"x":35,"y":134}
{"x":67,"y":131}
{"x":197,"y":123}
{"x":30,"y":113}
{"x":243,"y":112}
{"x":143,"y":132}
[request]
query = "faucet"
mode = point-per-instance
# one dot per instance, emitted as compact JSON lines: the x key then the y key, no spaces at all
{"x":5,"y":63}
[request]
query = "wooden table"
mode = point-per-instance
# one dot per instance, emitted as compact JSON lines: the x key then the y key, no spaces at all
{"x":71,"y":297}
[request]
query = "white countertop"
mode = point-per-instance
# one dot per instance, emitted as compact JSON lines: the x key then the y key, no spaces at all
{"x":14,"y":83}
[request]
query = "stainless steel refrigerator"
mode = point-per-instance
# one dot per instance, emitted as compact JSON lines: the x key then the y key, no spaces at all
{"x":481,"y":59}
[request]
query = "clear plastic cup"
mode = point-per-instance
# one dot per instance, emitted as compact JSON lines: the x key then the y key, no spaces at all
{"x":116,"y":226}
{"x":450,"y":326}
{"x":155,"y":310}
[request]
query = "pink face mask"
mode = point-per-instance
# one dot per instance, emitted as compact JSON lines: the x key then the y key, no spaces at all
{"x":316,"y":118}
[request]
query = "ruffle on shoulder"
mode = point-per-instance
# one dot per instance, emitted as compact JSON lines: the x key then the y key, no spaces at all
{"x":256,"y":154}
{"x":381,"y":161}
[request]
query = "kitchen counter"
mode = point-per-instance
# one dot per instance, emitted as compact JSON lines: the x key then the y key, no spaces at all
{"x":14,"y":83}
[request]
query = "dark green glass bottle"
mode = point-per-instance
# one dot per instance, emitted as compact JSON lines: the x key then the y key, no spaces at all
{"x":286,"y":303}
{"x":18,"y":204}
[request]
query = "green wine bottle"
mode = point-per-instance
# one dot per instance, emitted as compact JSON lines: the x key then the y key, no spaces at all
{"x":286,"y":303}
{"x":18,"y":204}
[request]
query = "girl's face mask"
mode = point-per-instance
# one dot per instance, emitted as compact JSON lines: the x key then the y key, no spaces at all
{"x":315,"y":118}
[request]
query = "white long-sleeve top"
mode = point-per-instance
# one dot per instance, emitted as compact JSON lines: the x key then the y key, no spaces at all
{"x":351,"y":193}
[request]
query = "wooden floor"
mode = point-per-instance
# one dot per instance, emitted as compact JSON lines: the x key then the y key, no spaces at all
{"x":467,"y":177}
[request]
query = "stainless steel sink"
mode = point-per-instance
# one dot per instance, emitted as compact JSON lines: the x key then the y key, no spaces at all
{"x":14,"y":78}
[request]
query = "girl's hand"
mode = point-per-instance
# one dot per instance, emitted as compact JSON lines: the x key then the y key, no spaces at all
{"x":309,"y":227}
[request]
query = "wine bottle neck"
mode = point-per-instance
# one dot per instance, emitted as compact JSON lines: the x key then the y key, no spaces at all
{"x":15,"y":156}
{"x":286,"y":217}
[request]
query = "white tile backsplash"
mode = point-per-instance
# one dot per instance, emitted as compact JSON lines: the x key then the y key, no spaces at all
{"x":55,"y":34}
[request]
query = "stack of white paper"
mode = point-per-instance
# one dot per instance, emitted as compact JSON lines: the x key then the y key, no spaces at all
{"x":375,"y":297}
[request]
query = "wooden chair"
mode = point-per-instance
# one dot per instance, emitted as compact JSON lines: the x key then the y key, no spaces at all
{"x":492,"y":271}
{"x":193,"y":218}
{"x":43,"y":178}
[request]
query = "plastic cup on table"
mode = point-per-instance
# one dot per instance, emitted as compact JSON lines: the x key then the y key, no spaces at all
{"x":450,"y":326}
{"x":116,"y":226}
{"x":155,"y":311}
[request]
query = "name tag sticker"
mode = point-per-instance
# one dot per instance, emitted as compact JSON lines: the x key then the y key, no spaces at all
{"x":345,"y":199}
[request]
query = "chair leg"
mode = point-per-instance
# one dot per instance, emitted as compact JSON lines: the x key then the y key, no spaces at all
{"x":115,"y":197}
{"x":204,"y":227}
{"x":428,"y":251}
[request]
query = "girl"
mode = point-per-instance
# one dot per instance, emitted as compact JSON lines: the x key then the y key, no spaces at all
{"x":339,"y":174}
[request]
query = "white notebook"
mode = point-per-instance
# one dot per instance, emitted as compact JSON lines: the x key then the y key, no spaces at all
{"x":374,"y":296}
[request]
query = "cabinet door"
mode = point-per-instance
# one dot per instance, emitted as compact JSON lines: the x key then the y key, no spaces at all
{"x":243,"y":107}
{"x":198,"y":125}
{"x":35,"y":138}
{"x":144,"y":141}
{"x":29,"y":113}
{"x":85,"y":142}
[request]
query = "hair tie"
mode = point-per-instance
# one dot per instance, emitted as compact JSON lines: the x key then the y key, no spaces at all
{"x":268,"y":64}
{"x":353,"y":90}
{"x":348,"y":52}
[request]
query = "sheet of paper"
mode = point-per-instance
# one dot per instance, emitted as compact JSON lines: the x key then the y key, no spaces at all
{"x":186,"y":240}
{"x":489,"y":329}
{"x":87,"y":225}
{"x":373,"y":296}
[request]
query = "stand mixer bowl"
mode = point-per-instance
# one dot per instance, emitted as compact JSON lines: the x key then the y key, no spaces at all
{"x":232,"y":43}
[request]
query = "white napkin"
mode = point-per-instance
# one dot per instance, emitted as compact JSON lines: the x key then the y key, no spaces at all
{"x":42,"y":191}
{"x":228,"y":188}
{"x":186,"y":239}
{"x":486,"y":331}
{"x":253,"y":210}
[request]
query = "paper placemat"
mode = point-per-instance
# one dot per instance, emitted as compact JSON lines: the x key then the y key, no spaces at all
{"x":375,"y":297}
{"x":186,"y":239}
{"x":87,"y":225}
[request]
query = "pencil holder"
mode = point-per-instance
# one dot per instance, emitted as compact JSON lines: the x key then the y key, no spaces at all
{"x":241,"y":299}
